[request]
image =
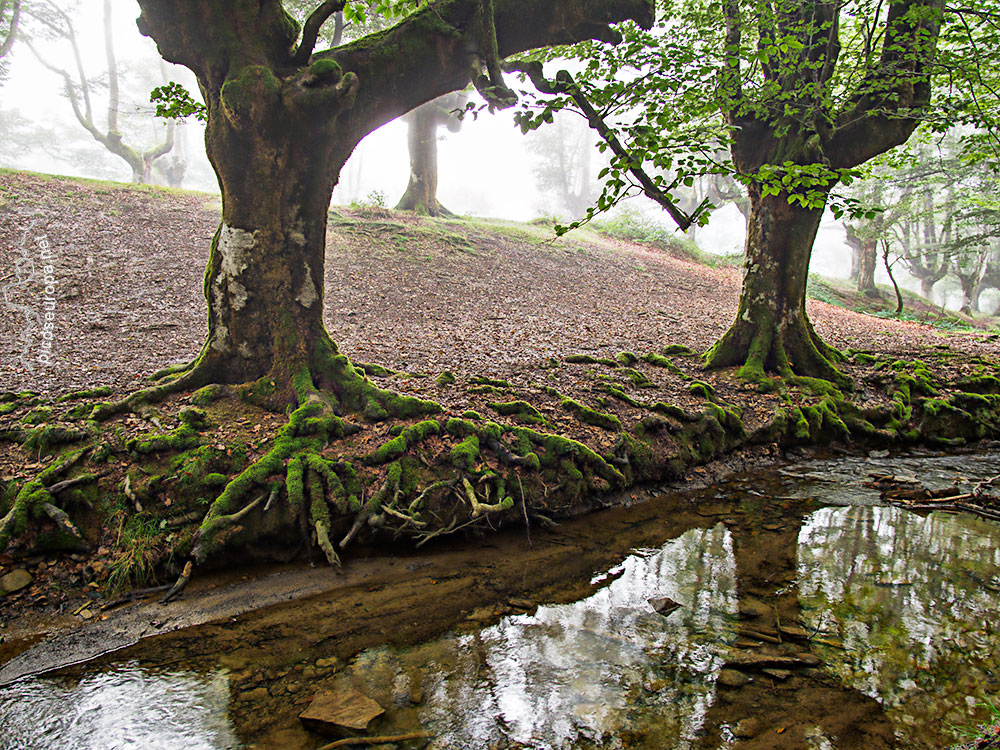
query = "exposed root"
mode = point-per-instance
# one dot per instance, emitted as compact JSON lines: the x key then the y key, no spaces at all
{"x":33,"y":498}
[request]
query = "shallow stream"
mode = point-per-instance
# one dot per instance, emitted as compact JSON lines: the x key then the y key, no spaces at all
{"x":901,"y":610}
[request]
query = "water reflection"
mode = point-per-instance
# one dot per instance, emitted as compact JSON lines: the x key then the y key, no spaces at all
{"x":589,"y":674}
{"x":125,"y":708}
{"x":914,"y":601}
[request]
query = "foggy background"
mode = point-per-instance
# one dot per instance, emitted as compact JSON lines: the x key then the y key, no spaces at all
{"x":487,"y":169}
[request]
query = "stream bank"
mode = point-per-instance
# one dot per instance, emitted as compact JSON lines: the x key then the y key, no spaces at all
{"x":883,"y":618}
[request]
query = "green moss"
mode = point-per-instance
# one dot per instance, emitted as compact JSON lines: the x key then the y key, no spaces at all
{"x":627,"y":358}
{"x":460,"y":427}
{"x":638,"y":379}
{"x":465,"y":454}
{"x":208,"y":394}
{"x":42,"y":440}
{"x":326,"y":68}
{"x":193,"y":417}
{"x":861,"y":356}
{"x":87,"y":393}
{"x":496,"y":383}
{"x":491,"y":389}
{"x":702,"y":390}
{"x":470,"y":414}
{"x":521,"y":409}
{"x":979,"y":384}
{"x":586,"y":359}
{"x":409,"y":437}
{"x":587,"y":415}
{"x":445,"y":378}
{"x":671,"y":350}
{"x":38,"y":415}
{"x":659,"y":361}
{"x":375,"y":370}
{"x":613,"y":390}
{"x":557,"y":446}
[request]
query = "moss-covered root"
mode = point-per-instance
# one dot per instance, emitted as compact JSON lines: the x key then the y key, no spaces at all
{"x":37,"y":497}
{"x":371,"y":511}
{"x":788,"y":349}
{"x":309,"y":429}
{"x":192,"y":377}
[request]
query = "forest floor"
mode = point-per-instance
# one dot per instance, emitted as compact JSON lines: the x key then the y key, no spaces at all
{"x":464,"y":312}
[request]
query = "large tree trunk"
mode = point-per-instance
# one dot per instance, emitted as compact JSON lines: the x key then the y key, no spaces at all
{"x":868,"y":260}
{"x":421,"y":191}
{"x":771,"y":330}
{"x":264,"y":283}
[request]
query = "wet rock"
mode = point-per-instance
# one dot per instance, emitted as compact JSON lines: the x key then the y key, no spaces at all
{"x":794,"y":631}
{"x":256,"y":695}
{"x":731,"y":678}
{"x":778,"y":674}
{"x":331,"y":663}
{"x":15,"y":581}
{"x":744,"y":660}
{"x":663,"y":605}
{"x":333,"y":712}
{"x":746,"y":729}
{"x":525,"y":604}
{"x":751,"y":609}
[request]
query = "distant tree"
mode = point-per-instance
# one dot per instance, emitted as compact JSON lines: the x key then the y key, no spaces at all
{"x":10,"y":18}
{"x":422,"y":137}
{"x":565,"y":154}
{"x":54,"y":22}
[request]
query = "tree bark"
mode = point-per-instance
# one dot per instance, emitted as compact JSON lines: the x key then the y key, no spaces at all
{"x":279,"y":131}
{"x":866,"y":268}
{"x":771,"y":330}
{"x":421,"y":190}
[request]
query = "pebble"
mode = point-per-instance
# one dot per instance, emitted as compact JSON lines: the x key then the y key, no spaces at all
{"x":732,"y":678}
{"x":746,"y":729}
{"x":15,"y":581}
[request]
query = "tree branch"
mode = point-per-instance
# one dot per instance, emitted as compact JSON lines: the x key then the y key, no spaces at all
{"x":15,"y":17}
{"x":310,"y":32}
{"x":889,"y":103}
{"x":565,"y":85}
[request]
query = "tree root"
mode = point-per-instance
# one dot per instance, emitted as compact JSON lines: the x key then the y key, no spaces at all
{"x":38,"y":496}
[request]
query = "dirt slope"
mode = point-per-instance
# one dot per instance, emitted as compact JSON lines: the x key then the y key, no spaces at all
{"x":422,"y":295}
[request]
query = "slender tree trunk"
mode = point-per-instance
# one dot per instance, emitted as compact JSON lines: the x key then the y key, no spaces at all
{"x":771,"y":330}
{"x":866,"y":268}
{"x":421,"y":192}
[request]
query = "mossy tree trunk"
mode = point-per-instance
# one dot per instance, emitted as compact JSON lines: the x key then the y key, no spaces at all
{"x":866,"y":268}
{"x":282,"y":121}
{"x":771,"y":330}
{"x":422,"y":137}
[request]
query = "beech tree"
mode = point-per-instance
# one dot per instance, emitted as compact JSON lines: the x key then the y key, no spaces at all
{"x":801,"y":93}
{"x":423,"y":124}
{"x":282,"y":118}
{"x":10,"y":17}
{"x":52,"y":21}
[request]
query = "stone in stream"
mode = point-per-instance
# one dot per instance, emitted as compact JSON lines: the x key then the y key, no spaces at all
{"x":731,"y":678}
{"x":15,"y":581}
{"x":334,"y":712}
{"x":751,"y":609}
{"x":744,"y":660}
{"x":746,"y":729}
{"x":778,"y":674}
{"x":663,"y":605}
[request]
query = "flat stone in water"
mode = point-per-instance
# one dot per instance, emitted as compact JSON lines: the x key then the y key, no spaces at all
{"x":664,"y":605}
{"x":344,"y":709}
{"x":746,"y":729}
{"x":732,"y":678}
{"x":15,"y":581}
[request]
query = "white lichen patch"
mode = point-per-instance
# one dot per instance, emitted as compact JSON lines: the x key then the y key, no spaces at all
{"x":307,"y":296}
{"x":220,"y":339}
{"x":235,"y":247}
